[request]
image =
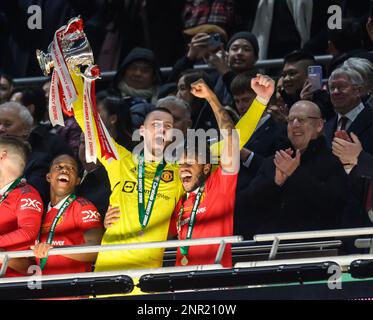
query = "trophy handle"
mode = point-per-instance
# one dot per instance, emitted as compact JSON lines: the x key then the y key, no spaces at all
{"x":45,"y":62}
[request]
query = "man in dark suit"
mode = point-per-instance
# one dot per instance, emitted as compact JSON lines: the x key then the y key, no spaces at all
{"x":355,"y":119}
{"x":303,"y":186}
{"x":351,"y":114}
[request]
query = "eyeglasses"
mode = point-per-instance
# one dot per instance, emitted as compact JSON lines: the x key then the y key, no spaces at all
{"x":342,"y":88}
{"x":301,"y":119}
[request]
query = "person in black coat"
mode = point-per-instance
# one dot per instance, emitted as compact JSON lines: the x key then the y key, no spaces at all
{"x":304,"y":186}
{"x":345,"y":94}
{"x":352,"y":117}
{"x":94,"y":185}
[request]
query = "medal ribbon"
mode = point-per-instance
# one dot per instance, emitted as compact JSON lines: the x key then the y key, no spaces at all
{"x":91,"y":119}
{"x":62,"y":90}
{"x":192,"y":219}
{"x":63,"y":208}
{"x":145,"y":214}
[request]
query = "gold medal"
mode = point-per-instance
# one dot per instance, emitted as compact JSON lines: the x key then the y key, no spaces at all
{"x":141,"y":233}
{"x":184,"y":261}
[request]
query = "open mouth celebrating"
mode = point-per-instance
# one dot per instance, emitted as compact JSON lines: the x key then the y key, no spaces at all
{"x":186,"y":177}
{"x":63,"y":178}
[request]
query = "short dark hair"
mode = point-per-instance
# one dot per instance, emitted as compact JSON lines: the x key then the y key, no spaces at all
{"x":242,"y":83}
{"x":77,"y":162}
{"x":116,"y":105}
{"x":192,"y":75}
{"x":7,"y":77}
{"x":162,"y":109}
{"x":20,"y":147}
{"x":350,"y":37}
{"x":35,"y":96}
{"x":299,"y":55}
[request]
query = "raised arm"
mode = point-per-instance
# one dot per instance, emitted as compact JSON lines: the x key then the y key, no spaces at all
{"x":230,"y":153}
{"x":79,"y":116}
{"x":264,"y":87}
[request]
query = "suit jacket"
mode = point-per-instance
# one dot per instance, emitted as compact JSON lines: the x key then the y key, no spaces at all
{"x":362,"y":127}
{"x":354,"y":212}
{"x":310,"y":199}
{"x":35,"y":173}
{"x":364,"y":167}
{"x":263,"y":142}
{"x":42,"y":140}
{"x":96,"y":188}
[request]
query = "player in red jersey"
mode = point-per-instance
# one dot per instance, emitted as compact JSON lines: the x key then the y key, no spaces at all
{"x":207,"y":208}
{"x":69,"y":221}
{"x":21,"y":207}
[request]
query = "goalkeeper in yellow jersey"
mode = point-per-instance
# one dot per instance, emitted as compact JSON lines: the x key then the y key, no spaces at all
{"x":145,"y":190}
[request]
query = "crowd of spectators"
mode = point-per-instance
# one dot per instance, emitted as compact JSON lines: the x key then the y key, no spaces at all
{"x":308,"y":164}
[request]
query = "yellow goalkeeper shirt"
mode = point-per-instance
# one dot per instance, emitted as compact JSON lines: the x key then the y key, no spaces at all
{"x":122,"y":174}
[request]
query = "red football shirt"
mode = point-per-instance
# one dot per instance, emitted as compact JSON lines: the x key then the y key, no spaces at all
{"x":214,"y":219}
{"x":80,"y":216}
{"x":20,"y":219}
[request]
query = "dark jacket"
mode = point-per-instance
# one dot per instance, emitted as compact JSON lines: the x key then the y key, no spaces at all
{"x":96,"y":188}
{"x":320,"y":97}
{"x":264,"y":143}
{"x":362,"y":127}
{"x":355,"y":213}
{"x":310,"y":199}
{"x":35,"y":172}
{"x":43,"y":141}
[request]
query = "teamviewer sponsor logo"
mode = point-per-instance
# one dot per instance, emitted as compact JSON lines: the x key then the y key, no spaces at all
{"x":90,"y":216}
{"x":32,"y":204}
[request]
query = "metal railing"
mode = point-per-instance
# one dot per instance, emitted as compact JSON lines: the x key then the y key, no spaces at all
{"x":343,"y":261}
{"x":133,"y":273}
{"x":221,"y":241}
{"x":277,"y":237}
{"x":165,"y":71}
{"x":313,"y":234}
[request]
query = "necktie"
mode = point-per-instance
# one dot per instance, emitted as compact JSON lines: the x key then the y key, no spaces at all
{"x":343,"y":123}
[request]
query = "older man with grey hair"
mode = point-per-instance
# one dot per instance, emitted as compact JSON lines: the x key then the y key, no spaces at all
{"x":16,"y":120}
{"x":352,"y":126}
{"x":365,"y":68}
{"x":345,"y":86}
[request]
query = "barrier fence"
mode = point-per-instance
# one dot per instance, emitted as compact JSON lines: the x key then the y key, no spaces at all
{"x":165,"y":71}
{"x":221,"y":241}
